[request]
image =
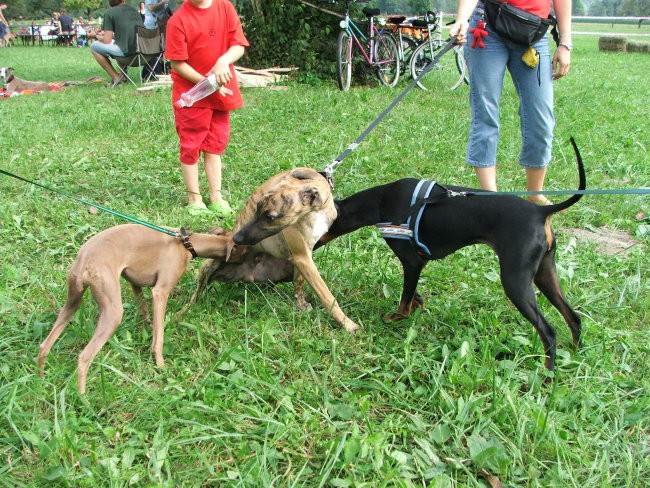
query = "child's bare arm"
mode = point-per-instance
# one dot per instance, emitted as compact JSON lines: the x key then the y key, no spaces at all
{"x":186,"y":71}
{"x":221,"y":69}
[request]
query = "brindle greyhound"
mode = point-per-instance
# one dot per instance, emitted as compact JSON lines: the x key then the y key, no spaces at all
{"x":519,"y":232}
{"x":145,"y":258}
{"x":282,"y":221}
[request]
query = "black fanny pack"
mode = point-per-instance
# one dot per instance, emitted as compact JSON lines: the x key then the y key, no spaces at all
{"x":515,"y":24}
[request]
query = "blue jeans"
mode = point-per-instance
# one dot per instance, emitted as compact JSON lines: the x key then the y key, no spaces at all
{"x":112,"y":49}
{"x":535,"y":90}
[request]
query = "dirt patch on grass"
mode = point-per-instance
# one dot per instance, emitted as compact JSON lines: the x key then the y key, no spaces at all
{"x":608,"y":241}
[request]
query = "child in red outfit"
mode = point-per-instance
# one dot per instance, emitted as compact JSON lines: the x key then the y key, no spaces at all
{"x":203,"y":37}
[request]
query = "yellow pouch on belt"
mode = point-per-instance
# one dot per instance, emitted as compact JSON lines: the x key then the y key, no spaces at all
{"x":530,"y":58}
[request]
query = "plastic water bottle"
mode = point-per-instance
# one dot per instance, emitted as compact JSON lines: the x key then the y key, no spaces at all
{"x":202,"y":89}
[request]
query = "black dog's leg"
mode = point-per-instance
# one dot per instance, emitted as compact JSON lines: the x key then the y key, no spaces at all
{"x":547,"y":281}
{"x":517,"y":280}
{"x":412,"y":265}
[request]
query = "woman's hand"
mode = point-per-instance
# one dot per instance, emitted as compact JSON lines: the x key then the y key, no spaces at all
{"x":561,"y":62}
{"x":459,"y":29}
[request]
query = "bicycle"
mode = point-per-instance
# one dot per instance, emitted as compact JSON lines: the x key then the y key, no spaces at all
{"x":378,"y":50}
{"x":450,"y":72}
{"x":407,"y":41}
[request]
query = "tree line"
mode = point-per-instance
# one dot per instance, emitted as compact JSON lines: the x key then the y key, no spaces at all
{"x":41,"y":9}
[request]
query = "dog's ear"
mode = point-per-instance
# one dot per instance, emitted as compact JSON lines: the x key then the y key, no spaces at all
{"x":311,"y":196}
{"x":303,"y":174}
{"x":217,"y":231}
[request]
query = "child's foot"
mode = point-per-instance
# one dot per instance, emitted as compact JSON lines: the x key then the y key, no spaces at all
{"x":197,"y":208}
{"x":221,"y":208}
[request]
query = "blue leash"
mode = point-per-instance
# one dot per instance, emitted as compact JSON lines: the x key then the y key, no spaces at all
{"x":622,"y":191}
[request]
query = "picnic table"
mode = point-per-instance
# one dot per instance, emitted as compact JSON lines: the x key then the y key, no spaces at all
{"x":42,"y":34}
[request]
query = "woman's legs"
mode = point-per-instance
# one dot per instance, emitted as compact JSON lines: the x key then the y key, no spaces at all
{"x":487,"y":67}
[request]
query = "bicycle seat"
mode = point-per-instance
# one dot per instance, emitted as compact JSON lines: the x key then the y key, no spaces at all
{"x":420,"y":24}
{"x":371,"y":12}
{"x":396,"y":20}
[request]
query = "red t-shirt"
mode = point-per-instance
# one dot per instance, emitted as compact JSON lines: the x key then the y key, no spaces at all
{"x":200,"y":36}
{"x":541,"y":8}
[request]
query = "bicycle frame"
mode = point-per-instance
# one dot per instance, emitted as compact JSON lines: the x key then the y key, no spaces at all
{"x":348,"y":25}
{"x":379,"y":51}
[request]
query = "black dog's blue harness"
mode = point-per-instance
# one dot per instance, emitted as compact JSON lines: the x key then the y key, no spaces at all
{"x":410,"y":229}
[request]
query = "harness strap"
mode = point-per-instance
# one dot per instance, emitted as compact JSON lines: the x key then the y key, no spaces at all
{"x":408,"y":226}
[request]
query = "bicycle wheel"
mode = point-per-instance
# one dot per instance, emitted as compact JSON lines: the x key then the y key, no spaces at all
{"x":461,"y":64}
{"x":408,"y":48}
{"x":344,"y":60}
{"x":386,"y":60}
{"x":447,"y":74}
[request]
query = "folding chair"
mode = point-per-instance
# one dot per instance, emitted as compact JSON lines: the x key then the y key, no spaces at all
{"x":150,"y":51}
{"x":125,"y":62}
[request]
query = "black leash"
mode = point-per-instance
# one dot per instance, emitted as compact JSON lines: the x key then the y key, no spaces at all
{"x":329,"y":169}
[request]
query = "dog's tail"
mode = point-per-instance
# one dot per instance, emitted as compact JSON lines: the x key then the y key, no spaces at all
{"x":558,"y":207}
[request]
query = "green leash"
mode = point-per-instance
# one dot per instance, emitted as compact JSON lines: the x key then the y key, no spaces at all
{"x":90,"y":204}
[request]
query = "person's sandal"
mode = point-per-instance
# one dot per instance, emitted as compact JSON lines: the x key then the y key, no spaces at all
{"x":221,"y":208}
{"x":197,"y":208}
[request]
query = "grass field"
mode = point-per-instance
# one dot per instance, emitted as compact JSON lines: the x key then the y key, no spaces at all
{"x":257,"y":393}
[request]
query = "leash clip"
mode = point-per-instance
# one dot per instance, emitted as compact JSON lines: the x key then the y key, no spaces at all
{"x":453,"y":193}
{"x":328,"y":172}
{"x":185,"y":239}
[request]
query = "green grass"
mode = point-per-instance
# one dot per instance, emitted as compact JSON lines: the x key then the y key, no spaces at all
{"x":257,"y":393}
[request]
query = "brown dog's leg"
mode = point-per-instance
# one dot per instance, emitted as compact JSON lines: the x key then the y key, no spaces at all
{"x":302,"y":259}
{"x":72,"y":304}
{"x":207,"y":268}
{"x":299,"y":291}
{"x":108,"y":297}
{"x":159,"y":297}
{"x":141,"y":302}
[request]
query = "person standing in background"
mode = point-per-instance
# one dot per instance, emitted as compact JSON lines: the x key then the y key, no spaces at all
{"x":487,"y":62}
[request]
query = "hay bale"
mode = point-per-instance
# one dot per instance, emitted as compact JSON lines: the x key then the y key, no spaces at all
{"x":638,"y":47}
{"x":615,"y":44}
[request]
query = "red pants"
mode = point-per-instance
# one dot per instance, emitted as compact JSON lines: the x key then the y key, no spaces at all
{"x":201,"y":129}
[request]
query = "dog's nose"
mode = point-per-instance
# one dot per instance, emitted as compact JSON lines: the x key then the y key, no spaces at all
{"x":238,"y":238}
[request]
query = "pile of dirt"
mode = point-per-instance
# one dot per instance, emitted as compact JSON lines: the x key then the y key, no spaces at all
{"x":608,"y":241}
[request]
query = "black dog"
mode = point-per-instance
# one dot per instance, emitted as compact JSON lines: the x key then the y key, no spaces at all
{"x":449,"y":218}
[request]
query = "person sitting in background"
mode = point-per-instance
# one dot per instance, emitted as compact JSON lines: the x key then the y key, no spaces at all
{"x":56,"y":25}
{"x":118,"y":37}
{"x":67,"y":28}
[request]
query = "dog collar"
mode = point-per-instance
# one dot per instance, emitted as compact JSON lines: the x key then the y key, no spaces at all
{"x":185,"y":239}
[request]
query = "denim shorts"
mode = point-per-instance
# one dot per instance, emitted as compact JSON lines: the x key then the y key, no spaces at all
{"x":107,"y":49}
{"x":535,"y":90}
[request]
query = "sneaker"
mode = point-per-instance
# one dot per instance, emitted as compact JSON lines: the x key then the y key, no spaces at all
{"x":221,"y":208}
{"x":197,"y":208}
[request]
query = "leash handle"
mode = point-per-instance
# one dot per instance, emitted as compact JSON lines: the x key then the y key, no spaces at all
{"x":90,"y":204}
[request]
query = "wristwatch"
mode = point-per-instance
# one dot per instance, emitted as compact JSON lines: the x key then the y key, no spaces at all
{"x":567,"y":46}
